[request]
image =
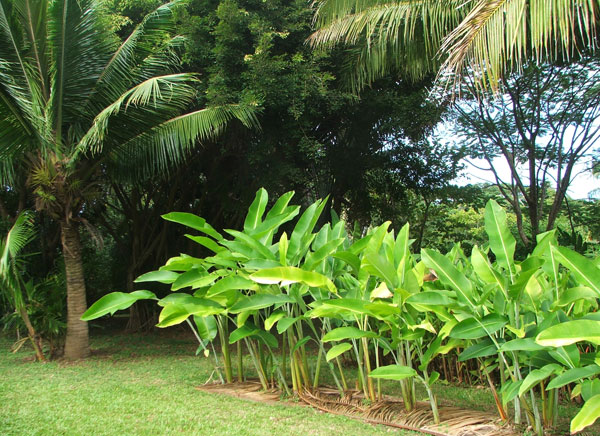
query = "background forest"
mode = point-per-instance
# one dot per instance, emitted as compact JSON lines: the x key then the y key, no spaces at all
{"x":389,"y":152}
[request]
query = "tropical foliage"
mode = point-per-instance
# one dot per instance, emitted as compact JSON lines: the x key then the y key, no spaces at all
{"x":529,"y":325}
{"x":481,"y":38}
{"x":77,"y":104}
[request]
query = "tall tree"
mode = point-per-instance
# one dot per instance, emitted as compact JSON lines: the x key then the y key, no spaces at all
{"x":484,"y":38}
{"x":544,"y":127}
{"x":77,"y":103}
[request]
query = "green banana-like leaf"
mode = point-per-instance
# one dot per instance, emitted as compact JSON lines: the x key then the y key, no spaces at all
{"x":522,"y":344}
{"x":256,"y":210}
{"x":472,"y":328}
{"x":207,"y":327}
{"x":502,"y":242}
{"x":242,"y":332}
{"x":481,"y":349}
{"x":194,"y":278}
{"x":176,"y":313}
{"x":588,"y":414}
{"x":161,"y":276}
{"x":570,"y":332}
{"x":510,"y":390}
{"x":259,"y":301}
{"x":485,"y":271}
{"x":572,"y":295}
{"x":582,"y":268}
{"x":343,"y":333}
{"x":193,"y":221}
{"x":229,"y":283}
{"x":206,"y":242}
{"x":393,"y":372}
{"x":114,"y":301}
{"x":538,"y":375}
{"x":431,"y":298}
{"x":336,"y":350}
{"x":273,"y":318}
{"x":377,"y":265}
{"x":285,"y":323}
{"x":450,"y":276}
{"x":573,"y":375}
{"x":288,"y":274}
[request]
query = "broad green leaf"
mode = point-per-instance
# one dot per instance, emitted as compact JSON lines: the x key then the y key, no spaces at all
{"x":172,"y":314}
{"x":524,"y":344}
{"x":176,"y":313}
{"x":304,"y":227}
{"x":431,"y":298}
{"x":481,"y":349}
{"x":570,"y":332}
{"x":538,"y":375}
{"x":256,"y":210}
{"x":285,"y":323}
{"x":380,"y":267}
{"x":160,"y":276}
{"x":573,"y":375}
{"x":588,"y":414}
{"x":322,"y":253}
{"x":582,"y":268}
{"x":273,"y":318}
{"x":393,"y":372}
{"x":207,"y":327}
{"x":230,"y":283}
{"x":301,"y":343}
{"x":510,"y":390}
{"x":451,"y":276}
{"x":588,"y":389}
{"x":267,"y":338}
{"x":349,"y":258}
{"x":260,"y":250}
{"x":193,"y":221}
{"x":349,"y":306}
{"x":502,"y":242}
{"x":195,"y":277}
{"x":242,"y":332}
{"x":343,"y":333}
{"x":114,"y":301}
{"x":289,"y":274}
{"x":259,"y":301}
{"x":336,"y":350}
{"x":572,"y":295}
{"x":206,"y":242}
{"x":472,"y":328}
{"x":485,"y":271}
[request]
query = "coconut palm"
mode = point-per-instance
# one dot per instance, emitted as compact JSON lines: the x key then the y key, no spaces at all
{"x":77,"y":104}
{"x":485,"y":37}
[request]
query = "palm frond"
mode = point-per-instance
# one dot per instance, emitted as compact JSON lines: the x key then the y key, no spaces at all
{"x":501,"y":35}
{"x":18,"y":88}
{"x":169,"y":94}
{"x":159,"y":149}
{"x":404,"y":35}
{"x":80,"y":48}
{"x":21,"y":233}
{"x":33,"y":17}
{"x":119,"y":72}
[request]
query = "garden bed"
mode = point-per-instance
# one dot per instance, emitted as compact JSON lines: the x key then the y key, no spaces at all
{"x":388,"y":411}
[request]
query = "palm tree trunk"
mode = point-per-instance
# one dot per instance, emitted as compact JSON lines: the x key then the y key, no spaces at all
{"x":77,"y":341}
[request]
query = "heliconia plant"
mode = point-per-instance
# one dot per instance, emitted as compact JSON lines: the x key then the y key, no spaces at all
{"x":367,"y":297}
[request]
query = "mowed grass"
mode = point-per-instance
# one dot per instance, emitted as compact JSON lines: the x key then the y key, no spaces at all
{"x":147,"y":385}
{"x":143,"y":385}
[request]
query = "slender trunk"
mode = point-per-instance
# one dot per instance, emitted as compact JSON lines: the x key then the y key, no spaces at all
{"x":33,"y":336}
{"x":77,"y":344}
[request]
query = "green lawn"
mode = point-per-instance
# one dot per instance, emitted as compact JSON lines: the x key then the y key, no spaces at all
{"x":146,"y":385}
{"x":143,"y":385}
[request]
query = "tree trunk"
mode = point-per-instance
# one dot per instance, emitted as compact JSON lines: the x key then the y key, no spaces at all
{"x":77,"y":341}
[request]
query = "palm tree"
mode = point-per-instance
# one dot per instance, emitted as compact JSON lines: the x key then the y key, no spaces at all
{"x":484,"y":37}
{"x":77,"y":104}
{"x":12,"y":285}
